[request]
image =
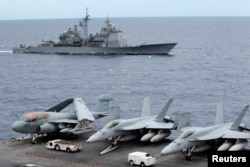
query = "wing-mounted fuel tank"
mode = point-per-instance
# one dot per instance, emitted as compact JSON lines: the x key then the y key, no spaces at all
{"x":148,"y":136}
{"x":232,"y":145}
{"x":239,"y":145}
{"x":226,"y":145}
{"x":161,"y":135}
{"x":154,"y":136}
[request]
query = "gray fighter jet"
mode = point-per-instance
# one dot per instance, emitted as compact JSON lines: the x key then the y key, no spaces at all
{"x":147,"y":127}
{"x":53,"y":121}
{"x":224,"y":136}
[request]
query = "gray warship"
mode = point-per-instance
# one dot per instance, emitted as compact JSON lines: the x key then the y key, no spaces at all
{"x":109,"y":41}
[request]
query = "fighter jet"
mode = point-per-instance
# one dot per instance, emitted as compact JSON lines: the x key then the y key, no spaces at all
{"x":225,"y":136}
{"x":53,"y":121}
{"x":149,"y":128}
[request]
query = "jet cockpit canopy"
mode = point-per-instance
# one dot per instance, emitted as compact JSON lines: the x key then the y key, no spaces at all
{"x":185,"y":134}
{"x":30,"y":117}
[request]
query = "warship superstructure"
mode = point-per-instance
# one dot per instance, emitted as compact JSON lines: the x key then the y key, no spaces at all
{"x":109,"y":41}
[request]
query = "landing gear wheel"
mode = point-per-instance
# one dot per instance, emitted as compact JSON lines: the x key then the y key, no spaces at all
{"x":34,"y":142}
{"x":189,"y":158}
{"x":131,"y":163}
{"x":57,"y":148}
{"x":34,"y":138}
{"x":142,"y":164}
{"x":189,"y":154}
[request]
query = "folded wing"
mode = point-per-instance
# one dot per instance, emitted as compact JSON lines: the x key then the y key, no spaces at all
{"x":82,"y":110}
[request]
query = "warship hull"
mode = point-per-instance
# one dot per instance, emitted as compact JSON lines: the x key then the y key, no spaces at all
{"x":151,"y":49}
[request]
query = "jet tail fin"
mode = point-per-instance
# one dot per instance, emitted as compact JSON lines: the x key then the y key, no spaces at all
{"x":238,"y":120}
{"x":60,"y":106}
{"x":163,"y":112}
{"x":114,"y":113}
{"x":182,"y":119}
{"x":219,"y":119}
{"x":103,"y":106}
{"x":146,"y":107}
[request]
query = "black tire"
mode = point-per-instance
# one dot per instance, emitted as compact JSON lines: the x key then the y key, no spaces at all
{"x":142,"y":164}
{"x":68,"y":150}
{"x":189,"y":158}
{"x":131,"y":163}
{"x":34,"y":142}
{"x":57,"y":148}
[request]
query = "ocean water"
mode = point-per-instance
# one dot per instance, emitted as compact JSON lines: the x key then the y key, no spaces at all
{"x":210,"y":64}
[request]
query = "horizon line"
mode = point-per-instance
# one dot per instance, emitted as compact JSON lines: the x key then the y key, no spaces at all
{"x":23,"y":19}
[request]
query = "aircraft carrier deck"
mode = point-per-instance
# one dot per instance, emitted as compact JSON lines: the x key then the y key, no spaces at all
{"x":21,"y":153}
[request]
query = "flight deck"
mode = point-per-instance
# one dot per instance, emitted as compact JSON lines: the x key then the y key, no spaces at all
{"x":23,"y":153}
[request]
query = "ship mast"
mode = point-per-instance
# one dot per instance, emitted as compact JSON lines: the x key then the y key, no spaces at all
{"x":84,"y":25}
{"x":108,"y":29}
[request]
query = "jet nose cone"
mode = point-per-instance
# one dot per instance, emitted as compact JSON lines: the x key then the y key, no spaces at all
{"x":170,"y":149}
{"x":164,"y":151}
{"x":15,"y":126}
{"x":167,"y":152}
{"x":98,"y":136}
{"x":91,"y":139}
